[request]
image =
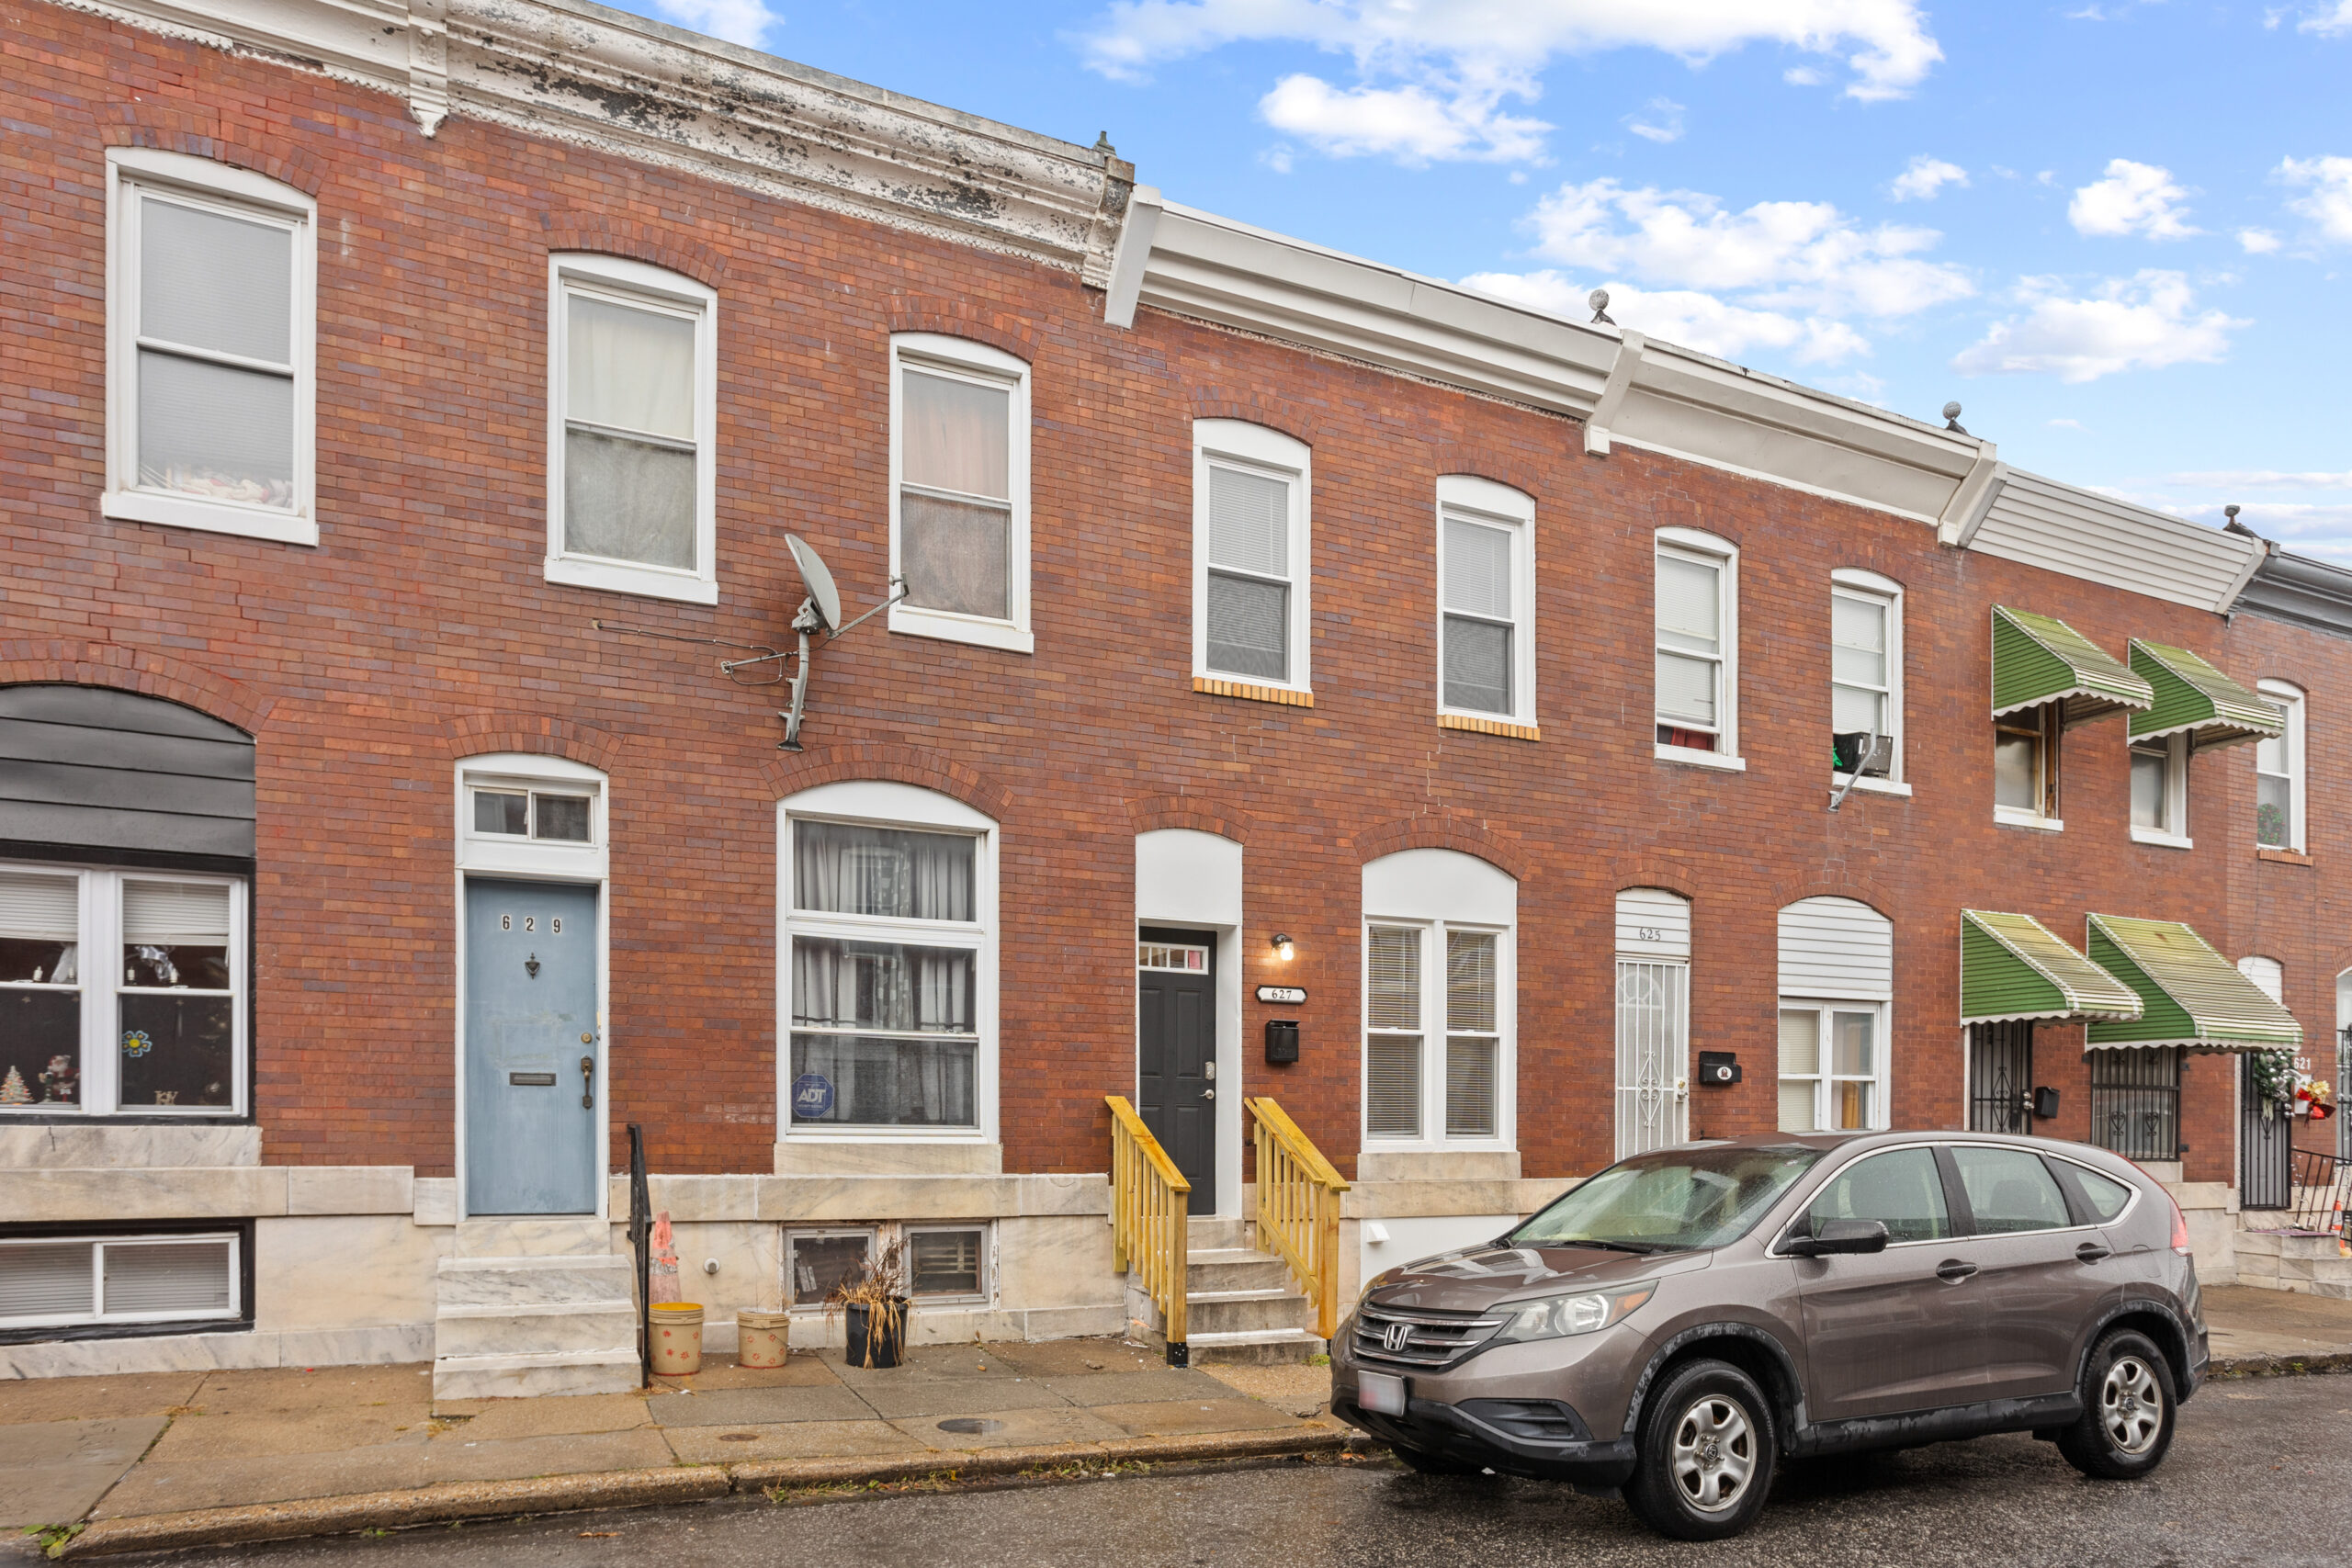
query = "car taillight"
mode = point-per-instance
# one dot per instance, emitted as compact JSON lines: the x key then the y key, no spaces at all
{"x":2179,"y":1221}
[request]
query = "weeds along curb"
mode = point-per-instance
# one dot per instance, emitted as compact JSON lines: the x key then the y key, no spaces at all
{"x":2280,"y":1366}
{"x":458,"y":1501}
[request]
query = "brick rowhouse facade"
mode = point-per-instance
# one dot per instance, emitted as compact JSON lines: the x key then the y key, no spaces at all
{"x":422,"y":630}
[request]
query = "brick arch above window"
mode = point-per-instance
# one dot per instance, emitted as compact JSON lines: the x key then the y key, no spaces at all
{"x":202,"y":135}
{"x":1252,"y":408}
{"x":599,"y":233}
{"x":1860,"y":889}
{"x":1016,"y":335}
{"x":1203,"y":813}
{"x":65,"y":662}
{"x":1442,"y":831}
{"x":789,"y":775}
{"x":1481,"y":462}
{"x":538,"y":735}
{"x":1655,"y":871}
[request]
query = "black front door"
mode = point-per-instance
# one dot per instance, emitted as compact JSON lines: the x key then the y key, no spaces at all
{"x":1176,"y":1052}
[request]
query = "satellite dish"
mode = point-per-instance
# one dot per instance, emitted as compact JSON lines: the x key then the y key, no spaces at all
{"x":821,"y":592}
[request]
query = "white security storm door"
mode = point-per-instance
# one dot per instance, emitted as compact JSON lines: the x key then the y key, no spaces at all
{"x":1653,"y":1101}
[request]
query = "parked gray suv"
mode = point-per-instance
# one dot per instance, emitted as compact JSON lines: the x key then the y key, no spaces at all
{"x":1676,"y":1325}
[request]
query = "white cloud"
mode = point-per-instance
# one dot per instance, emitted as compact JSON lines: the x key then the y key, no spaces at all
{"x":1804,"y":76}
{"x":2329,"y":181}
{"x":2262,"y":479}
{"x":2134,"y":199}
{"x":1787,"y":255}
{"x":737,"y":21}
{"x":1690,"y":317}
{"x":2142,"y":322}
{"x":2329,"y":21}
{"x":1467,"y":56}
{"x":1410,"y":124}
{"x":1924,"y":176}
{"x":2257,"y":242}
{"x":1277,"y":158}
{"x":1659,"y":120}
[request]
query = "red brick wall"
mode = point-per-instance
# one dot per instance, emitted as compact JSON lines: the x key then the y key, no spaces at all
{"x":421,"y":629}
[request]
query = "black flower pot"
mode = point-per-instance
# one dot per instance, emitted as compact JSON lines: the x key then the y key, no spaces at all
{"x":877,"y":1340}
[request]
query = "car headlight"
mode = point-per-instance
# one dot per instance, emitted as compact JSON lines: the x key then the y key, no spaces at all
{"x":1556,"y":1317}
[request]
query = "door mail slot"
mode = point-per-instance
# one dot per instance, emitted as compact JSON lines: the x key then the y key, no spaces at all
{"x":531,"y":1081}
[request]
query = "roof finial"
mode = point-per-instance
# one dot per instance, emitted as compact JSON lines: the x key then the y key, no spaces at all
{"x":1599,"y":300}
{"x":1951,"y":419}
{"x":1102,"y":145}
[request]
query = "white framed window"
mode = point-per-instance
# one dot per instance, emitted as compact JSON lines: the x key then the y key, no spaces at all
{"x":1653,"y":1020}
{"x":1439,"y":1002}
{"x":1698,"y":649}
{"x":960,"y":490}
{"x":890,"y":994}
{"x":68,"y":1281}
{"x":2160,"y":792}
{"x":1486,"y":574}
{"x":121,"y":992}
{"x":1865,"y":672}
{"x":1836,"y":983}
{"x":1251,"y":556}
{"x":632,"y":429}
{"x":531,"y":816}
{"x":212,"y":282}
{"x":2278,"y":774}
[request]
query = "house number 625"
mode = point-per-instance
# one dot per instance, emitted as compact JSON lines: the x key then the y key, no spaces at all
{"x":1648,"y":934}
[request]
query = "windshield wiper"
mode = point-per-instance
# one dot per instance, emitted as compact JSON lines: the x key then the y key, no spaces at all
{"x":1639,"y":1248}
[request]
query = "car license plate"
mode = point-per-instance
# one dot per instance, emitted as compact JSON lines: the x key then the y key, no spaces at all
{"x":1380,"y":1393}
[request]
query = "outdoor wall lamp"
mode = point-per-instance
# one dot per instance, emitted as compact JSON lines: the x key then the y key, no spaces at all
{"x":1284,"y":952}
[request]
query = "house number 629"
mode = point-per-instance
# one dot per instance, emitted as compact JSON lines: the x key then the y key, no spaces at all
{"x":531,"y":923}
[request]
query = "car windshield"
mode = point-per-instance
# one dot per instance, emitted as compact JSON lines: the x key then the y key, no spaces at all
{"x":1670,"y":1200}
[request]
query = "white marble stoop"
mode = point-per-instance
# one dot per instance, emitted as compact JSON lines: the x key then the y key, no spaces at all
{"x":1241,"y":1304}
{"x":2277,"y":1257}
{"x":534,"y":1306}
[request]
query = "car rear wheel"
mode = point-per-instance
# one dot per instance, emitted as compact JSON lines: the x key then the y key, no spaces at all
{"x":2128,"y":1406}
{"x":1705,"y":1454}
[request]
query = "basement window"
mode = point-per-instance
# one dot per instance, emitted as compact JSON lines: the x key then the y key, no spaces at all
{"x":61,"y":1282}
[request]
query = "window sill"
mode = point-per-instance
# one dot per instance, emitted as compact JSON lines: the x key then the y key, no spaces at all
{"x":2010,"y":817}
{"x":2161,"y":841}
{"x":618,"y":576}
{"x":1217,"y":686}
{"x":1478,"y":724}
{"x":1690,"y":756}
{"x":2281,"y":857}
{"x":1871,"y":786}
{"x":212,"y":517}
{"x":977,"y":630}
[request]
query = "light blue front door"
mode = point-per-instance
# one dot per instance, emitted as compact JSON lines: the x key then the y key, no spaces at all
{"x":530,"y":1022}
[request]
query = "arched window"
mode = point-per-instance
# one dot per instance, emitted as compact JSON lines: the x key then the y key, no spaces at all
{"x":1652,"y":1019}
{"x":1440,"y":984}
{"x":1836,"y":987}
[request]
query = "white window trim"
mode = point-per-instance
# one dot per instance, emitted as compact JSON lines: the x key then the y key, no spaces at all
{"x":2292,"y":699}
{"x":635,"y":284}
{"x":1243,"y":444}
{"x":880,"y":805}
{"x":1477,"y":500}
{"x":253,"y":196}
{"x":908,"y":1231}
{"x":1852,"y":582}
{"x":1434,"y":1035}
{"x":1690,"y":544}
{"x":231,"y":1312}
{"x":1882,"y":1074}
{"x":2174,"y":834}
{"x":99,"y":1091}
{"x":967,"y":360}
{"x":535,"y":860}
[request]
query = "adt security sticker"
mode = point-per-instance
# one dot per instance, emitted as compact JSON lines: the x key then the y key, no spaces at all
{"x":812,"y":1097}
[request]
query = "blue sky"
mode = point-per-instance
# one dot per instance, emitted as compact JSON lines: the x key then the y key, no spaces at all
{"x":2119,"y":233}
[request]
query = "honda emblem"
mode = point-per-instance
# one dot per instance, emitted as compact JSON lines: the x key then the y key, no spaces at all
{"x":1395,"y":1336}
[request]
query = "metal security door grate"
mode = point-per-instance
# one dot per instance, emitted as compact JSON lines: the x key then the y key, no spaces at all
{"x":2265,"y":1147}
{"x":2000,"y":1077}
{"x":2135,"y":1101}
{"x":1653,"y":1055}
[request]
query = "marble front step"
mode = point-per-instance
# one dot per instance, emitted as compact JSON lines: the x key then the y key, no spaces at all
{"x":535,"y":1235}
{"x":528,"y":1375}
{"x":1259,"y":1346}
{"x":460,"y":1332}
{"x":1230,"y":1312}
{"x":1201,"y":1235}
{"x":535,"y":1282}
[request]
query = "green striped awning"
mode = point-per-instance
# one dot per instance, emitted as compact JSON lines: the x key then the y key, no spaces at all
{"x":2193,"y":995}
{"x":2040,"y":659}
{"x":2012,"y":967}
{"x":2193,"y":696}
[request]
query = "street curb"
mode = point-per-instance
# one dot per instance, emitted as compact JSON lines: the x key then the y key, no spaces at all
{"x":2282,"y":1366}
{"x":637,"y":1488}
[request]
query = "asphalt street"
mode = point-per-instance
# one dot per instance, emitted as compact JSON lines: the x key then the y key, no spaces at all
{"x":2261,"y":1473}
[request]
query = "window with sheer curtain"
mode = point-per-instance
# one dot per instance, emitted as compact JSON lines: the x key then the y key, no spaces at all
{"x":959,"y":520}
{"x":1250,"y":577}
{"x":1481,"y":593}
{"x":1697,"y":691}
{"x":209,"y":306}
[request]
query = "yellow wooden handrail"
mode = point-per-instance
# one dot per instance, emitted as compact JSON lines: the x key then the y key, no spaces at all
{"x":1298,"y":1208}
{"x":1149,"y":1201}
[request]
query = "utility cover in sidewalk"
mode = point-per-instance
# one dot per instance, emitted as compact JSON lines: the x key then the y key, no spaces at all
{"x":973,"y":1426}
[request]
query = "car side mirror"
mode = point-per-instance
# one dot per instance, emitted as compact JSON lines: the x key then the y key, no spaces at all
{"x":1840,"y":1235}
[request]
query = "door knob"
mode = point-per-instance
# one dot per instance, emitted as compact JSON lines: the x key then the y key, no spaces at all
{"x":587,"y":1083}
{"x":1208,"y":1094}
{"x":587,"y":1040}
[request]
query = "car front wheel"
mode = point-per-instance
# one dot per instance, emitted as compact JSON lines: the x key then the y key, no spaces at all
{"x":2128,"y":1405}
{"x":1704,"y":1455}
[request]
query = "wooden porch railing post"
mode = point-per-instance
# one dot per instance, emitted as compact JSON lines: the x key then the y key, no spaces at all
{"x":1298,"y":1208}
{"x":1149,"y":1200}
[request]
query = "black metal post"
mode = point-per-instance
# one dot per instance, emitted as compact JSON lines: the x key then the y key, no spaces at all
{"x":640,"y":1239}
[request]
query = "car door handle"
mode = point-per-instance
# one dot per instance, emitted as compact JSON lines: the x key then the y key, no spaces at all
{"x":1951,"y":1271}
{"x":2091,"y":1252}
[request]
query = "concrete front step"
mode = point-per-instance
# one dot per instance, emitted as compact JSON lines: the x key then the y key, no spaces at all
{"x":464,"y":1331}
{"x":529,"y":1375}
{"x":2301,"y":1261}
{"x":1233,"y":1268}
{"x":1261,"y":1346}
{"x":535,"y":1282}
{"x":535,"y":1235}
{"x":1225,"y":1312}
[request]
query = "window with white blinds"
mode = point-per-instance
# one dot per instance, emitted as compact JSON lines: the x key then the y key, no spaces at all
{"x":209,"y":314}
{"x":1697,"y":644}
{"x":631,"y":357}
{"x":1865,"y":667}
{"x":1485,"y":600}
{"x":120,"y":992}
{"x":1435,"y":1021}
{"x":66,"y":1282}
{"x":1251,"y":570}
{"x":960,"y":428}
